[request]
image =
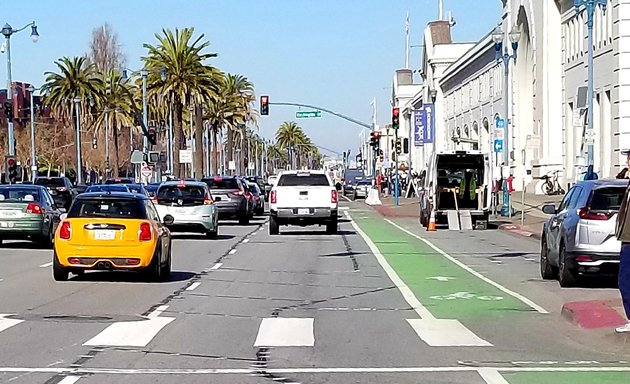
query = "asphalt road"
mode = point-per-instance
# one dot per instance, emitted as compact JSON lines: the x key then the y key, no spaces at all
{"x":373,"y":304}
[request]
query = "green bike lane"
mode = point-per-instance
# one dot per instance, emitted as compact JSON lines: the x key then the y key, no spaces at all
{"x":521,"y":333}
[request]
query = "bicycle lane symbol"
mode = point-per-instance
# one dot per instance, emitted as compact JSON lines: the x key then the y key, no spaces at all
{"x":467,"y":296}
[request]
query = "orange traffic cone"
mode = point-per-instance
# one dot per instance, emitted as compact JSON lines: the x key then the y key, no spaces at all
{"x":431,"y":226}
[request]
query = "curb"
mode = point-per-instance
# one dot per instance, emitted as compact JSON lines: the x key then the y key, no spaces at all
{"x":518,"y":230}
{"x":592,"y":314}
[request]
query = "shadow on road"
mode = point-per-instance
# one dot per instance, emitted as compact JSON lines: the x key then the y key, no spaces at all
{"x":235,"y":223}
{"x":23,"y":245}
{"x":316,"y":233}
{"x":128,"y":277}
{"x":191,"y":236}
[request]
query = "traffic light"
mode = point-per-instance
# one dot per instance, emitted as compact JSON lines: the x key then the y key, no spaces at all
{"x":264,"y":105}
{"x":398,"y":147}
{"x":11,"y":169}
{"x":375,"y":139}
{"x":94,"y":143}
{"x":152,"y":136}
{"x":8,"y":110}
{"x":395,"y":117}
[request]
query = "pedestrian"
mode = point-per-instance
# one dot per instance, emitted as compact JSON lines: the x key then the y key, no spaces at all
{"x":623,"y":234}
{"x":625,"y":173}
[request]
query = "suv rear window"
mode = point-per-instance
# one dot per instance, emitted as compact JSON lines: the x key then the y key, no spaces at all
{"x":108,"y":207}
{"x":50,"y":182}
{"x":303,"y":179}
{"x":607,"y":198}
{"x":182,"y":196}
{"x":18,"y":195}
{"x":222,"y":183}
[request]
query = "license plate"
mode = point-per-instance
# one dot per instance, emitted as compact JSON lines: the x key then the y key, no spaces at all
{"x":9,"y":213}
{"x":7,"y":224}
{"x":303,"y":211}
{"x":180,"y":210}
{"x":104,"y":235}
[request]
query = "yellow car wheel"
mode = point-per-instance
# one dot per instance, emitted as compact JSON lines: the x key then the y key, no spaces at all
{"x":59,"y":272}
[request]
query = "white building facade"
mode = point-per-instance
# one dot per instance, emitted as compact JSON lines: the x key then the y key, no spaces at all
{"x":546,"y":87}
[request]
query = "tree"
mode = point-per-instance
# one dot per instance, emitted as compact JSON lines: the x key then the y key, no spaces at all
{"x":105,"y":50}
{"x":187,"y":78}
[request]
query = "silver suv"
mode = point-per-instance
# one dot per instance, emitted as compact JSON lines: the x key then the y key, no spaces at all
{"x":579,"y":237}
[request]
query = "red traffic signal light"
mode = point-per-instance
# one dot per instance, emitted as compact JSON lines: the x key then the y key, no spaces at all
{"x":10,"y":162}
{"x":395,"y":117}
{"x":264,"y":105}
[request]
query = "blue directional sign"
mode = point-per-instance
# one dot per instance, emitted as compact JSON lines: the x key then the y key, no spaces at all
{"x":498,"y":145}
{"x":500,"y":123}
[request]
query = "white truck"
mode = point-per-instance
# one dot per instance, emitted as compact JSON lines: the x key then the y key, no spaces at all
{"x":303,"y":198}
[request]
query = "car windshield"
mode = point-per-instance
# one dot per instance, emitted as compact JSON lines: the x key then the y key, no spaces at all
{"x":18,"y":195}
{"x":56,"y":182}
{"x":303,"y":179}
{"x":220,"y":183}
{"x":607,"y":198}
{"x":188,"y":195}
{"x":115,"y":208}
{"x":107,"y":188}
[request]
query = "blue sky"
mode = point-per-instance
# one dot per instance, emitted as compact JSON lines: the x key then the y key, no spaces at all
{"x":336,"y":54}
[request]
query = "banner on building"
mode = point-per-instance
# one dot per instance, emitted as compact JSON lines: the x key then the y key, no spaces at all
{"x":418,"y":127}
{"x":428,"y":134}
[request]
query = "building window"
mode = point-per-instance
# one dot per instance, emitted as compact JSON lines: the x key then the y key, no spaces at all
{"x":466,"y":131}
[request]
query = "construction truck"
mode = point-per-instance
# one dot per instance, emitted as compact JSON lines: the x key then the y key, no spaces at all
{"x":457,"y":190}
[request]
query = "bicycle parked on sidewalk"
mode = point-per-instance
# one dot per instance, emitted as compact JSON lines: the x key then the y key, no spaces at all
{"x":552,"y":185}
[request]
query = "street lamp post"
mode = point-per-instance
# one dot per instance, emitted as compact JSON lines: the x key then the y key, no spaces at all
{"x":503,"y":55}
{"x":145,"y":116}
{"x":591,"y":5}
{"x":77,"y":105}
{"x":107,"y":164}
{"x":7,"y":31}
{"x":34,"y":167}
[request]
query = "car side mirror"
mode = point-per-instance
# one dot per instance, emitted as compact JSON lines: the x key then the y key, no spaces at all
{"x":549,"y":209}
{"x":63,"y":216}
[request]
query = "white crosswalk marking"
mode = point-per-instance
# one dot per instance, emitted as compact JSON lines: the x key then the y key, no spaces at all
{"x":285,"y":332}
{"x":7,"y":323}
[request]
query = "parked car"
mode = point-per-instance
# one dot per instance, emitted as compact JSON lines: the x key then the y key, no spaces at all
{"x":231,"y":197}
{"x":112,"y":231}
{"x":361,"y":188}
{"x":187,"y":206}
{"x":60,"y":188}
{"x":258,"y":198}
{"x":28,"y":212}
{"x":351,"y":177}
{"x":579,"y":237}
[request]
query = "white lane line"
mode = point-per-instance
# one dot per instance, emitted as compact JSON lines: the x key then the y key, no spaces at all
{"x":70,"y":380}
{"x":245,"y":371}
{"x":434,"y":332}
{"x":245,"y":240}
{"x":7,"y":323}
{"x":157,"y":312}
{"x":216,"y":266}
{"x":516,"y":295}
{"x":193,"y":286}
{"x":232,"y":252}
{"x":344,"y":208}
{"x":285,"y":332}
{"x":46,"y":265}
{"x":492,"y":376}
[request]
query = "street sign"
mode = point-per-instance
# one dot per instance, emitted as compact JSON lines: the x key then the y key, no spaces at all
{"x":147,"y":171}
{"x":307,"y":114}
{"x":499,"y":133}
{"x":500,"y":123}
{"x":498,"y":146}
{"x":137,"y":157}
{"x":185,"y":156}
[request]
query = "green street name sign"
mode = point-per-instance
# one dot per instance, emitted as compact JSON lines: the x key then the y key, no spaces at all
{"x":302,"y":115}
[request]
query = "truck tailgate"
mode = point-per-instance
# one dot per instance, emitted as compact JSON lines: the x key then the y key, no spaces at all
{"x":303,"y":196}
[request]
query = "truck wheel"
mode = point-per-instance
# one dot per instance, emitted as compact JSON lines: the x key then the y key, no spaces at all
{"x":331,"y":226}
{"x":244,"y":220}
{"x":274,"y":228}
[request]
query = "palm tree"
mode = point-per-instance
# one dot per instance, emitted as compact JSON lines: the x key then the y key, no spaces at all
{"x":77,"y":78}
{"x":241,"y":92}
{"x":116,"y":99}
{"x":291,"y":137}
{"x":188,"y":80}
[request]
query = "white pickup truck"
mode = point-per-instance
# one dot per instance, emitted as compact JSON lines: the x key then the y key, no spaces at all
{"x":303,"y":198}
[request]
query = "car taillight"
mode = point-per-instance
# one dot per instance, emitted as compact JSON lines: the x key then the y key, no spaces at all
{"x":34,"y":208}
{"x":65,"y":231}
{"x":273,"y":197}
{"x":154,"y":199}
{"x":62,"y":189}
{"x":333,"y":196}
{"x":586,"y":214}
{"x":208,"y":200}
{"x":145,"y":233}
{"x":583,"y":258}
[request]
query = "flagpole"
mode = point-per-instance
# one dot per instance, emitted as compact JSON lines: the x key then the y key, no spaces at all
{"x":407,"y":42}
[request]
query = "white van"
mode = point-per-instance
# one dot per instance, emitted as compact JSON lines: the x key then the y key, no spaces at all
{"x":441,"y":188}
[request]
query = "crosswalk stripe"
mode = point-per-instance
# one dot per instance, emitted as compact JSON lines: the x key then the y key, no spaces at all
{"x":285,"y":332}
{"x":7,"y":323}
{"x":70,"y":380}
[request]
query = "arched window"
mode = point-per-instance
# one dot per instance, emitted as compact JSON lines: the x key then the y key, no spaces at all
{"x":475,"y":131}
{"x":466,"y":131}
{"x":458,"y":132}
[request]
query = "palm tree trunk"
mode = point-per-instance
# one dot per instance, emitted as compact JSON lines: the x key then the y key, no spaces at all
{"x":116,"y":156}
{"x":215,"y":148}
{"x":230,"y":145}
{"x":244,"y":150}
{"x":177,"y":135}
{"x":199,"y":155}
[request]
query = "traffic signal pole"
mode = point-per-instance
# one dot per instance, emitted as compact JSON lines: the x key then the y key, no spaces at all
{"x":395,"y":153}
